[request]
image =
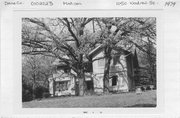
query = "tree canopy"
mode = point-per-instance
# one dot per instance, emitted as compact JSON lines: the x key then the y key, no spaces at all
{"x":71,"y":39}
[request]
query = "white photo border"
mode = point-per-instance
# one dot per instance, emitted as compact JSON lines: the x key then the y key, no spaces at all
{"x":17,"y":57}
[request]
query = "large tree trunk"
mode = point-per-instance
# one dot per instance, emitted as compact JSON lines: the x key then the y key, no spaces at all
{"x":107,"y":68}
{"x":81,"y":86}
{"x":54,"y":87}
{"x":81,"y":83}
{"x":81,"y":77}
{"x":76,"y":87}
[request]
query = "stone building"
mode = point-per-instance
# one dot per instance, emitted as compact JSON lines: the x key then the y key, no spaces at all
{"x":121,"y":73}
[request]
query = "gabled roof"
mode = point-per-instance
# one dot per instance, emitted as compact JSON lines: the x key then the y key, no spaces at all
{"x":58,"y":62}
{"x":96,"y":50}
{"x":101,"y":48}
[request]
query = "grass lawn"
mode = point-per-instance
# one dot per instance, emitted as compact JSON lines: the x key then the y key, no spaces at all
{"x":146,"y":99}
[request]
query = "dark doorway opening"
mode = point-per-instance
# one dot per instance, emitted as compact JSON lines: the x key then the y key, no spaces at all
{"x":114,"y":80}
{"x":89,"y":85}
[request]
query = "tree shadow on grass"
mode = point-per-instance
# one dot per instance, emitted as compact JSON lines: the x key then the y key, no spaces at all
{"x":142,"y":105}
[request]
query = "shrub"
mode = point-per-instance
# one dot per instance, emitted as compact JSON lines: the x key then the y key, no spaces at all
{"x":142,"y":88}
{"x":26,"y":93}
{"x":39,"y":91}
{"x":148,"y":88}
{"x":46,"y":95}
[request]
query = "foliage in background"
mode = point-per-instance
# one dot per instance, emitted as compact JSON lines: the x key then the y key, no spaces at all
{"x":35,"y":73}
